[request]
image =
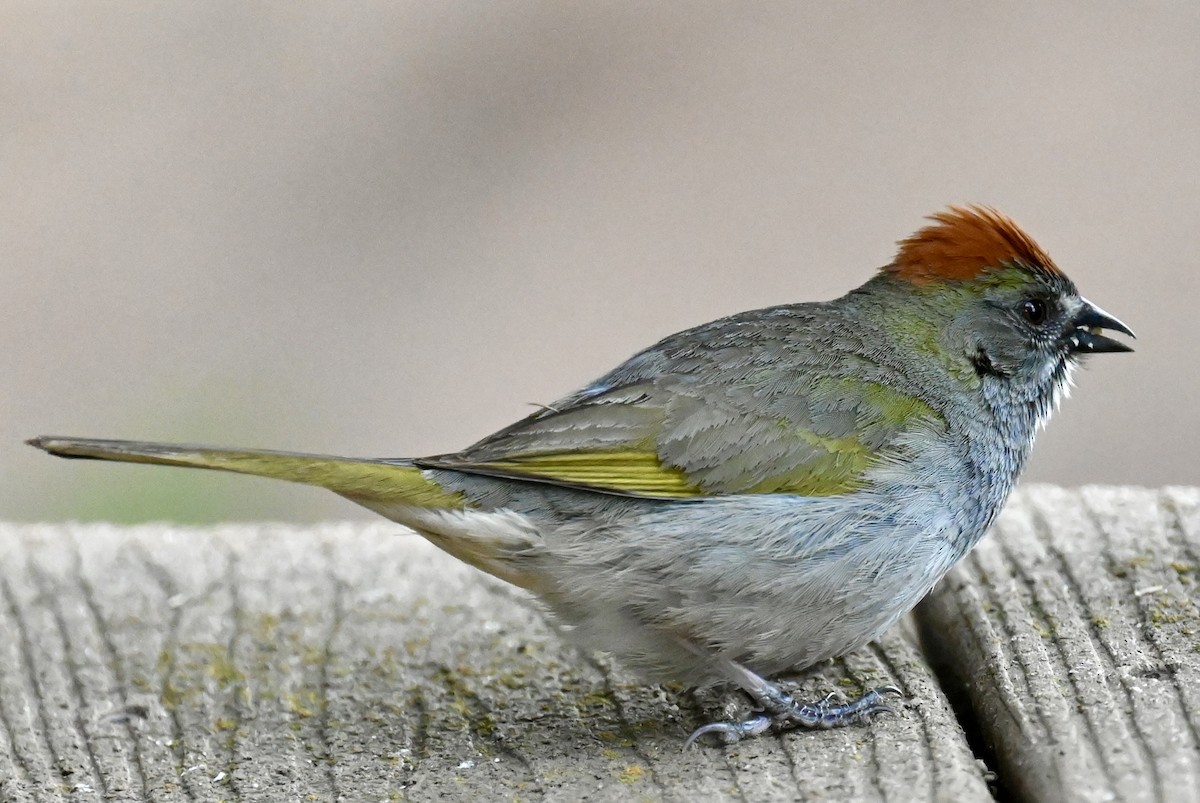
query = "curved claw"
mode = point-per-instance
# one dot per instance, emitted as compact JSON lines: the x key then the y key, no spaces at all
{"x":731,"y":732}
{"x":872,"y":703}
{"x":881,"y":707}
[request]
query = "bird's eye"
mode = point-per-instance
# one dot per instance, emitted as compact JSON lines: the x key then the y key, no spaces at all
{"x":1034,"y":310}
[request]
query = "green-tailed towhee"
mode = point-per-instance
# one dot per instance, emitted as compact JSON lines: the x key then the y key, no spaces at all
{"x":758,"y":493}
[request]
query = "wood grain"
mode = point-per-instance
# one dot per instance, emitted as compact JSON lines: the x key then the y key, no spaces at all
{"x":1071,"y":637}
{"x":263,"y":662}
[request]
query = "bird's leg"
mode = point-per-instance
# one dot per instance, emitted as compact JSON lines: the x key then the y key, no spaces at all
{"x":781,"y":711}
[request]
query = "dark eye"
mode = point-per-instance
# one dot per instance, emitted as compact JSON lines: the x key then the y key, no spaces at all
{"x":1034,"y":310}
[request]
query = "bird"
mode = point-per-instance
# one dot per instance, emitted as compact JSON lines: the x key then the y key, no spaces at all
{"x":757,"y":494}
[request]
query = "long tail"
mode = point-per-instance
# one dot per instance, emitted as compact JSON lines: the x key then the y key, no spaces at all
{"x":361,"y":480}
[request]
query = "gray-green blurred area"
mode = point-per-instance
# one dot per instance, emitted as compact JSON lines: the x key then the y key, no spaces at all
{"x":386,"y":229}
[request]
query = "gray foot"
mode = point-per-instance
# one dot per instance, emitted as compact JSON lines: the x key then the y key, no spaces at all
{"x":783,"y":713}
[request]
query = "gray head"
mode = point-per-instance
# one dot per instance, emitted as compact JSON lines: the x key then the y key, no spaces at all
{"x":1002,"y":306}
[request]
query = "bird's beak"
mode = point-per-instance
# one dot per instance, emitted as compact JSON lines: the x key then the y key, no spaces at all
{"x":1085,"y":338}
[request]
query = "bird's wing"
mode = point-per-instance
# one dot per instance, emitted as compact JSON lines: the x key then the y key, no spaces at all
{"x":681,"y":437}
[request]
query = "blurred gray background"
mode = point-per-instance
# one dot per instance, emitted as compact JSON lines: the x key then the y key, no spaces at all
{"x":383,"y":229}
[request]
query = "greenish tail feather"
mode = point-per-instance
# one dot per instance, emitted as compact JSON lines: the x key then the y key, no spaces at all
{"x":358,"y":479}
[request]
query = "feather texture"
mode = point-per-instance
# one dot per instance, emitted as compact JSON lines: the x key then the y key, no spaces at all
{"x":963,"y":243}
{"x":715,"y":411}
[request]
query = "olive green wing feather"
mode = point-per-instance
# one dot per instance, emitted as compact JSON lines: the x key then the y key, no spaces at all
{"x":603,"y":441}
{"x":678,"y":436}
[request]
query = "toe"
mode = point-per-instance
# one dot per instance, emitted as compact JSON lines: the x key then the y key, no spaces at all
{"x":732,"y":732}
{"x":728,"y":732}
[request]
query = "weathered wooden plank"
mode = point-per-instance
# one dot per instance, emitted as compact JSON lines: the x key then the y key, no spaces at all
{"x":344,"y":662}
{"x":1073,"y":636}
